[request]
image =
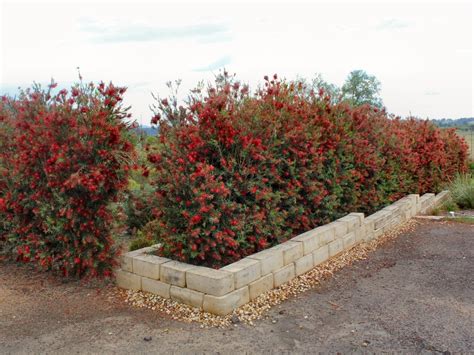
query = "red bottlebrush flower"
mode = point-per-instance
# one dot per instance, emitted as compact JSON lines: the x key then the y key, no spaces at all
{"x":196,"y":219}
{"x":155,"y":119}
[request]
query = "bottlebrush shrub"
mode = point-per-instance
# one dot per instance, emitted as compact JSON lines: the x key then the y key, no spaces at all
{"x":239,"y":172}
{"x":66,"y":160}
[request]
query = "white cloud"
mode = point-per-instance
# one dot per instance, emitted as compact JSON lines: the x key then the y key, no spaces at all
{"x":412,"y":48}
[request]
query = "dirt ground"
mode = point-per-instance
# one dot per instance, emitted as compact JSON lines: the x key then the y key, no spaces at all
{"x":413,"y":295}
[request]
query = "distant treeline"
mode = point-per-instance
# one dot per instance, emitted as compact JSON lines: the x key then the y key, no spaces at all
{"x":464,"y":122}
{"x":147,"y":130}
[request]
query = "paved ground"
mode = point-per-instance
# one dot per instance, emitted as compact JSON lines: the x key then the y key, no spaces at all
{"x":413,"y":295}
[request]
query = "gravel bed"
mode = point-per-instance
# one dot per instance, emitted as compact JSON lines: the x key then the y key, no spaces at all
{"x":257,"y":308}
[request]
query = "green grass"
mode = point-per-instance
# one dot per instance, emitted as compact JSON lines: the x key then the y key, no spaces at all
{"x":462,"y":191}
{"x":466,"y":220}
{"x":447,"y":206}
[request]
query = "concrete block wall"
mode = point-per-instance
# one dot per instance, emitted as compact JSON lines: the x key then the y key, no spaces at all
{"x":221,"y":291}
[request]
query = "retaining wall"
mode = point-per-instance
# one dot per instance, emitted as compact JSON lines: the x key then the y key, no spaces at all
{"x":221,"y":291}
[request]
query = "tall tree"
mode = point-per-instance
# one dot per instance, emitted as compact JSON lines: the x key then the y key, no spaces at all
{"x":361,"y":88}
{"x":330,"y":89}
{"x":318,"y":83}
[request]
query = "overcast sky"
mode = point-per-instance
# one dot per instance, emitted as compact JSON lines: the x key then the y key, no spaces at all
{"x":421,"y":52}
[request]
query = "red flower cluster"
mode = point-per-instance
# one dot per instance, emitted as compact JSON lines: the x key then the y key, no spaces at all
{"x":237,"y":173}
{"x":63,"y":160}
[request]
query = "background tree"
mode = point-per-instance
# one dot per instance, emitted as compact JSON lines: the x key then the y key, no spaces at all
{"x":318,"y":83}
{"x":361,"y":88}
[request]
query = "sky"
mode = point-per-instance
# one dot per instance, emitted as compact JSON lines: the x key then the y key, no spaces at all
{"x":421,"y":52}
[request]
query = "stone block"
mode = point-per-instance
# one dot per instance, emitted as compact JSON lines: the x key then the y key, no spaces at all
{"x":392,"y":210}
{"x":408,"y":214}
{"x":310,"y":241}
{"x":148,"y":265}
{"x":321,"y":255}
{"x":340,"y":228}
{"x":368,"y":229}
{"x":209,"y":281}
{"x":283,"y":275}
{"x":359,"y":215}
{"x":126,"y":260}
{"x":378,"y":233}
{"x":360,"y":233}
{"x":260,"y":286}
{"x":291,"y":251}
{"x":326,"y":234}
{"x":404,"y":203}
{"x":426,"y":201}
{"x":380,"y":218}
{"x":270,"y":260}
{"x":352,"y":222}
{"x":349,"y":240}
{"x":416,"y":206}
{"x":156,"y":287}
{"x":335,"y":247}
{"x":174,"y":273}
{"x":245,"y":271}
{"x":441,"y":198}
{"x":414,"y":197}
{"x":392,"y":224}
{"x":304,"y":264}
{"x":187,"y":296}
{"x":127,"y":280}
{"x":224,"y":305}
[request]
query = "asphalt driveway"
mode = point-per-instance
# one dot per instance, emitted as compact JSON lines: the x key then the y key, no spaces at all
{"x":413,"y":295}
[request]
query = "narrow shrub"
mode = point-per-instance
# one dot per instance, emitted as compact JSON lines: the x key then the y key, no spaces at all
{"x":238,"y":172}
{"x":67,"y":159}
{"x":462,"y":191}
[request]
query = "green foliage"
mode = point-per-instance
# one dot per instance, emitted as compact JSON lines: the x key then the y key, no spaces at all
{"x":319,"y":86}
{"x":140,"y":241}
{"x":138,"y":205}
{"x":448,"y":206}
{"x":138,"y":202}
{"x":462,"y":191}
{"x":361,"y":88}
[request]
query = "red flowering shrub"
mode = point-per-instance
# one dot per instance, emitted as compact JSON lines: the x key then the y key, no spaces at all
{"x":66,"y":160}
{"x":237,"y":173}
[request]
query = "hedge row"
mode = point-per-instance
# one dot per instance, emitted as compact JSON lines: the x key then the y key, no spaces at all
{"x":63,"y":160}
{"x":234,"y":172}
{"x":237,"y":172}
